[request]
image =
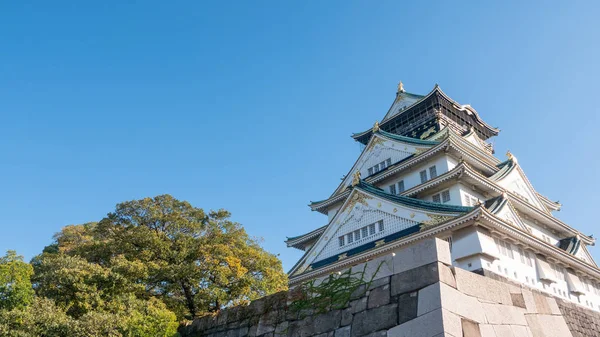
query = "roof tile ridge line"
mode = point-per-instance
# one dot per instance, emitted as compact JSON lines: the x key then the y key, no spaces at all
{"x":300,"y":237}
{"x":538,"y":242}
{"x":474,"y":148}
{"x":329,"y":201}
{"x":411,"y":161}
{"x":588,"y":239}
{"x":423,"y":97}
{"x":433,"y":204}
{"x":400,"y":138}
{"x":477,"y":138}
{"x":516,"y":163}
{"x":337,"y":190}
{"x":463,"y":106}
{"x":457,"y":221}
{"x":547,"y":200}
{"x":383,"y":121}
{"x":531,"y":207}
{"x":342,"y":207}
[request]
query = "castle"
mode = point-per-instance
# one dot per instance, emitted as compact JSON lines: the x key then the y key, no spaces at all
{"x":428,"y":170}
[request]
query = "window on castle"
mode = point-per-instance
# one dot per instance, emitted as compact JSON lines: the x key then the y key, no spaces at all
{"x":357,"y":235}
{"x":525,"y":258}
{"x":388,"y":162}
{"x":401,"y":186}
{"x":470,"y":200}
{"x":445,"y":196}
{"x":380,"y":167}
{"x":393,"y":189}
{"x":370,"y":171}
{"x":432,"y":172}
{"x":442,"y":197}
{"x":423,"y":176}
{"x":360,"y":233}
{"x":504,"y":248}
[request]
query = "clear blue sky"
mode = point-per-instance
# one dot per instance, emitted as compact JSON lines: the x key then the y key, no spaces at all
{"x":249,"y":105}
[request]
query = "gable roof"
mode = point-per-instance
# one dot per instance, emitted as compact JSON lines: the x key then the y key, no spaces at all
{"x":470,"y":111}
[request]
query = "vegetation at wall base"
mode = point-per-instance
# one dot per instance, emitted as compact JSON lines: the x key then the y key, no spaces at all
{"x":143,"y":269}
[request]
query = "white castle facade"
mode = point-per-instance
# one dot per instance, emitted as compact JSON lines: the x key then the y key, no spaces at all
{"x":427,"y":171}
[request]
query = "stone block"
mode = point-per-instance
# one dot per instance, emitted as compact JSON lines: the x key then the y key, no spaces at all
{"x":282,"y":328}
{"x":446,"y":275}
{"x":452,"y":323}
{"x":414,"y":279}
{"x":541,"y":303}
{"x":504,"y":314}
{"x":482,"y":287}
{"x":428,"y":325}
{"x":267,"y":322}
{"x":554,"y":310}
{"x":326,"y":322}
{"x":503,"y":330}
{"x":380,"y":267}
{"x":375,"y":319}
{"x":520,"y":331}
{"x":346,"y":317}
{"x":470,"y":328}
{"x":429,"y":299}
{"x":343,"y":332}
{"x":407,"y":307}
{"x":380,"y":282}
{"x":518,"y":300}
{"x":359,"y":292}
{"x":547,"y":326}
{"x":377,"y":334}
{"x":529,"y":301}
{"x":358,"y":305}
{"x":420,"y":254}
{"x":453,"y":301}
{"x":379,"y":296}
{"x":487,"y":330}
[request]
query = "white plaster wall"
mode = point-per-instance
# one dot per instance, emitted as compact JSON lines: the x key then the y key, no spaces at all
{"x":412,"y":177}
{"x":514,"y":182}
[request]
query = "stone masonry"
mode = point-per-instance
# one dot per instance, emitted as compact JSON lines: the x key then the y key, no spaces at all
{"x":421,"y":297}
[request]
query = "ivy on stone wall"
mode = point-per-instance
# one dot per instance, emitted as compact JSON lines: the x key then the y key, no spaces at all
{"x":331,"y":293}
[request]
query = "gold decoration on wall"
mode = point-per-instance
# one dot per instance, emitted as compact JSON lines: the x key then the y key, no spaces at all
{"x":342,"y":256}
{"x":412,"y":215}
{"x":428,"y":132}
{"x":358,"y":198}
{"x":376,"y":141}
{"x":435,"y":219}
{"x":395,"y":210}
{"x":379,"y":243}
{"x":378,"y":205}
{"x":376,"y":127}
{"x":356,"y":178}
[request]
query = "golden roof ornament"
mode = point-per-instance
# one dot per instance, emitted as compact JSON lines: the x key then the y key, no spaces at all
{"x":511,"y":157}
{"x":400,"y":87}
{"x":375,"y":127}
{"x":356,"y":178}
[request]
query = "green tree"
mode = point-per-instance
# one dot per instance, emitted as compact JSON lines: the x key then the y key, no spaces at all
{"x":196,"y":262}
{"x":15,"y":281}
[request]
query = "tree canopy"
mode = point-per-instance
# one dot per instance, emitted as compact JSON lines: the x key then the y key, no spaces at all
{"x":136,"y":272}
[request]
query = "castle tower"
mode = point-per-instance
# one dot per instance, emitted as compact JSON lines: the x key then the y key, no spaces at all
{"x":427,"y":171}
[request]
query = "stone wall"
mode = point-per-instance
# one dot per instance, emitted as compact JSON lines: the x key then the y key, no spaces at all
{"x":422,"y":297}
